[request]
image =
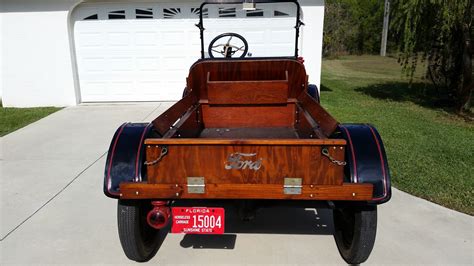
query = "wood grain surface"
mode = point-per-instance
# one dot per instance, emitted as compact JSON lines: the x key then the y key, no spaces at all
{"x":248,"y":92}
{"x":248,"y":116}
{"x":164,"y":122}
{"x":346,"y":192}
{"x":324,"y":120}
{"x":277,"y":162}
{"x":248,"y":70}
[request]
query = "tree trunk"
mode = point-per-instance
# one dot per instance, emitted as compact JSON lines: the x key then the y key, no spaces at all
{"x":465,"y":93}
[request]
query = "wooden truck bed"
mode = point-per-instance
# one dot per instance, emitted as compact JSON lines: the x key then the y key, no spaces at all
{"x":236,"y":136}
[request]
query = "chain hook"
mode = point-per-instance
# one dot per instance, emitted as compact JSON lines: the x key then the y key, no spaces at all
{"x":164,"y":151}
{"x":325,"y":152}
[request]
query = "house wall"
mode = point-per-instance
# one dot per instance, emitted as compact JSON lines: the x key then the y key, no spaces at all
{"x":37,"y":52}
{"x":36,"y":45}
{"x":313,"y":12}
{"x":1,"y":50}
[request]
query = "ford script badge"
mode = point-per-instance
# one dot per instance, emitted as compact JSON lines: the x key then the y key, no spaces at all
{"x":243,"y":161}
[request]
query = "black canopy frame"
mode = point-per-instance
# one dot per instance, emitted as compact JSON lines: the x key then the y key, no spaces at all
{"x":298,"y":24}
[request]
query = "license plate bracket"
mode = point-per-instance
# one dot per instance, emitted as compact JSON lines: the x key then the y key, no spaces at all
{"x":198,"y":220}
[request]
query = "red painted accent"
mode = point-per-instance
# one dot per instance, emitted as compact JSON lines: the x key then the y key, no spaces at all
{"x":353,"y":154}
{"x":158,"y":203}
{"x":159,"y":216}
{"x":198,"y":220}
{"x":137,"y":177}
{"x":382,"y":164}
{"x":109,"y":184}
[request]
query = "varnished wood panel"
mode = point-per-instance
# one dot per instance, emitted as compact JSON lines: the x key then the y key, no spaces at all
{"x":241,"y":70}
{"x":277,"y":162}
{"x":248,"y":116}
{"x":280,"y":142}
{"x":189,"y":126}
{"x":163,"y":122}
{"x":303,"y":127}
{"x":306,"y":126}
{"x":250,"y":133}
{"x":248,"y":92}
{"x":346,"y":192}
{"x":325,"y":121}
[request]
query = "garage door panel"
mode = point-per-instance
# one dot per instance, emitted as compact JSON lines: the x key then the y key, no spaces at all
{"x":90,"y":39}
{"x":121,"y":87}
{"x":173,"y":37}
{"x":256,"y":37}
{"x":149,"y":87}
{"x":94,"y":88}
{"x":281,"y":36}
{"x":93,"y":65}
{"x":119,"y":39}
{"x":148,"y":38}
{"x":143,"y":51}
{"x":147,"y":64}
{"x":123,"y":64}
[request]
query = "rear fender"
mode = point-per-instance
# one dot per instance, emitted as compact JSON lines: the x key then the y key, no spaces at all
{"x":125,"y":157}
{"x":366,"y":159}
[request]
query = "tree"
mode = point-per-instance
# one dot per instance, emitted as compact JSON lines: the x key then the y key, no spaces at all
{"x":352,"y":26}
{"x":438,"y":31}
{"x":338,"y":29}
{"x":367,"y":16}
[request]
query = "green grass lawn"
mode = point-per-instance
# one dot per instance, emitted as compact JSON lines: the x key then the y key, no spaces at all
{"x":12,"y":119}
{"x":430,"y":150}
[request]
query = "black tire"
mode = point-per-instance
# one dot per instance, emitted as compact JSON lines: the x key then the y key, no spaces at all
{"x":355,"y":229}
{"x":139,"y":240}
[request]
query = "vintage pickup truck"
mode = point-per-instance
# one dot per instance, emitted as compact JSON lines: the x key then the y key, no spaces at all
{"x":247,"y":130}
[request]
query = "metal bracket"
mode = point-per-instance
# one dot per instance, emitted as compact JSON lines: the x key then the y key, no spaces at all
{"x":196,"y":185}
{"x":292,"y":186}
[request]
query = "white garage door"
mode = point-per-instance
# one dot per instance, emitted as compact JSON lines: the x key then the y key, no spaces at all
{"x":142,"y":52}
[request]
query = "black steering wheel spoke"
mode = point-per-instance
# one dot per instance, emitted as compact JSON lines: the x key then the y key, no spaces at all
{"x":228,"y":50}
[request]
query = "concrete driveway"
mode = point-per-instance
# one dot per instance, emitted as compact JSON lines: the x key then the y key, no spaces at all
{"x":53,"y":210}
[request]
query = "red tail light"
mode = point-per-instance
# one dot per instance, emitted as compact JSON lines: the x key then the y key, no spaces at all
{"x":159,"y":216}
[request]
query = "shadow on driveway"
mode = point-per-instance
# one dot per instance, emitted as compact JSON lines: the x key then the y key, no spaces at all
{"x":276,"y":220}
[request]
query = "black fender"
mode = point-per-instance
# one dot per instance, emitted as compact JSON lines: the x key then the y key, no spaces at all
{"x":366,"y":159}
{"x":125,"y":158}
{"x":314,"y":92}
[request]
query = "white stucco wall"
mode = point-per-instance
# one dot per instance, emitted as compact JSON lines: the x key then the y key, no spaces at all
{"x":37,"y":53}
{"x":35,"y":45}
{"x":1,"y":51}
{"x":313,"y":12}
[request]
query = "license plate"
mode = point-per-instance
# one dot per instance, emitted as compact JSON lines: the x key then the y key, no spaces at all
{"x":198,"y":220}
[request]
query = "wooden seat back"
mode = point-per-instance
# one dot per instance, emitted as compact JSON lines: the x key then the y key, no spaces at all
{"x":247,"y":82}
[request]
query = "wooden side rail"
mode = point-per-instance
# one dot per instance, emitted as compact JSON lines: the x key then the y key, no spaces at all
{"x":325,"y":121}
{"x":347,"y":191}
{"x":306,"y":126}
{"x":187,"y":126}
{"x":247,"y":91}
{"x":163,"y":123}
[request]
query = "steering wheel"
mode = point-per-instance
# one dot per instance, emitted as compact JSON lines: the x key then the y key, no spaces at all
{"x":227,"y":50}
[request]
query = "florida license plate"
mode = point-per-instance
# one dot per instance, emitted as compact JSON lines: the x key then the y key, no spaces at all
{"x":198,"y":220}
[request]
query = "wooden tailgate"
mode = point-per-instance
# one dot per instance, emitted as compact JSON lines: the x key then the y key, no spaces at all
{"x":259,"y":161}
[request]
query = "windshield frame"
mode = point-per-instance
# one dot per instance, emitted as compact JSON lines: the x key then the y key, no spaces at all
{"x":298,"y":22}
